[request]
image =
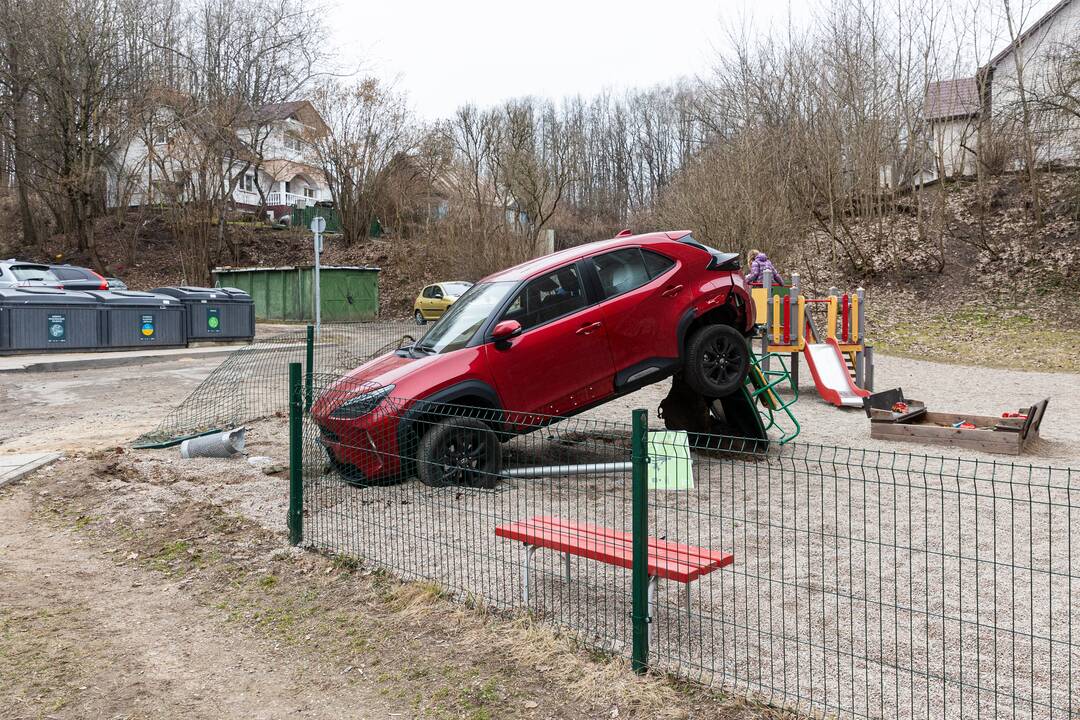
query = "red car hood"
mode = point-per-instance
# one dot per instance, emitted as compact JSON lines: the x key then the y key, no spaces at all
{"x":382,"y":371}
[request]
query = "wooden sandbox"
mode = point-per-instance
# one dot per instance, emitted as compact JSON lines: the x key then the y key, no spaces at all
{"x":1003,"y":435}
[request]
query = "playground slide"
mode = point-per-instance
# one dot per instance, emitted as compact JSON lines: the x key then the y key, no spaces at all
{"x":831,"y":374}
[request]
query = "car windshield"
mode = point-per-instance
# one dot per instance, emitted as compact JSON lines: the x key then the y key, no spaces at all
{"x":456,"y":288}
{"x":24,"y":273}
{"x":464,"y":318}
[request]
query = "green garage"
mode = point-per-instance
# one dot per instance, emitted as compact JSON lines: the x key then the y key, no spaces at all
{"x":286,"y":294}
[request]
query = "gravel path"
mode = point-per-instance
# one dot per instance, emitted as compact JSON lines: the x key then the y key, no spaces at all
{"x":944,"y":388}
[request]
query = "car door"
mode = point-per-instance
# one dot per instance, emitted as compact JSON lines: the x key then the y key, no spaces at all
{"x":424,"y":303}
{"x":561,"y":361}
{"x":438,"y":301}
{"x":643,"y":301}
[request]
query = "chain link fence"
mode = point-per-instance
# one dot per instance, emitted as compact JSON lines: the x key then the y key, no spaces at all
{"x":825,"y":579}
{"x":253,"y":381}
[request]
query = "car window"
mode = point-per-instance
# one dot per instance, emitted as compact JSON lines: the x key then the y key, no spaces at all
{"x":68,"y":273}
{"x":621,"y":271}
{"x":33,"y":272}
{"x":464,"y":318}
{"x":427,"y":292}
{"x":436,"y":292}
{"x":455,"y":288}
{"x":656,"y":263}
{"x":547,"y":297}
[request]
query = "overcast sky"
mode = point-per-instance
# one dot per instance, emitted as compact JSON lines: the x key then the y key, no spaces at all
{"x":445,"y":53}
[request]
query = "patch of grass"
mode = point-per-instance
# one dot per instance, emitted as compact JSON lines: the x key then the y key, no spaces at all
{"x":978,"y":336}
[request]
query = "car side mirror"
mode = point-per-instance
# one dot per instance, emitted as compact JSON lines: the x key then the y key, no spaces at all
{"x":505,"y":330}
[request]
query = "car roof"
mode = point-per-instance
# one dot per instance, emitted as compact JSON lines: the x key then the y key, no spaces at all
{"x":549,"y":262}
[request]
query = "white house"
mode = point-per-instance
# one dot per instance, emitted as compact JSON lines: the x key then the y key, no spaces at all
{"x":274,"y":163}
{"x":959,"y":112}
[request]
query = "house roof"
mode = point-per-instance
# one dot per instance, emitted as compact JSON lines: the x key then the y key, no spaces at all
{"x":996,"y":60}
{"x":947,"y":99}
{"x":301,"y":110}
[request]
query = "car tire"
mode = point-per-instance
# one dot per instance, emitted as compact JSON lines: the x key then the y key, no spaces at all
{"x":459,"y":451}
{"x":717,"y":361}
{"x":419,"y":318}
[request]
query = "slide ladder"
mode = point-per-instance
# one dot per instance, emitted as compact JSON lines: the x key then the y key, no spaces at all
{"x":762,"y":389}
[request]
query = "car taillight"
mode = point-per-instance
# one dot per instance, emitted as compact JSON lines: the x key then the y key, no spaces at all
{"x":104,"y":283}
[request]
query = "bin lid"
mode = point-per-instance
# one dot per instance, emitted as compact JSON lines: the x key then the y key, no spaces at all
{"x":185,"y":292}
{"x":235,"y":293}
{"x":44,"y":296}
{"x":131,"y":297}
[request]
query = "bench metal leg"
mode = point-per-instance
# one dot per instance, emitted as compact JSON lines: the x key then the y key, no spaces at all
{"x":530,"y":550}
{"x":566,"y":558}
{"x":689,"y":615}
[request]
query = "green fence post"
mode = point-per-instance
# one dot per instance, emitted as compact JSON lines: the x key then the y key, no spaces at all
{"x":640,"y":531}
{"x":309,"y":380}
{"x":296,"y":456}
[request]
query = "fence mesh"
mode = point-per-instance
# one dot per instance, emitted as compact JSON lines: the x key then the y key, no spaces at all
{"x":863,"y":584}
{"x":252,"y":382}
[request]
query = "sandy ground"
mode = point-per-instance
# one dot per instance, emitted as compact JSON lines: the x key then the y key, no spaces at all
{"x":90,"y":409}
{"x":944,"y":388}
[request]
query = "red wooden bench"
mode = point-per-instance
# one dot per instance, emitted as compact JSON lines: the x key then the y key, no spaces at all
{"x":668,"y":560}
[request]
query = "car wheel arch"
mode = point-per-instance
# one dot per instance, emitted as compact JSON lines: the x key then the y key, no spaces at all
{"x":471,"y":398}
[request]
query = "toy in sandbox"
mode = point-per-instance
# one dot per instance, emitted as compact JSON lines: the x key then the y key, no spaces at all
{"x":895,"y":417}
{"x":835,"y":348}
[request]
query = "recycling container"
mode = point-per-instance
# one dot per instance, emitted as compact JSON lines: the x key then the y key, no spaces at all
{"x":215,"y":313}
{"x":140,"y":320}
{"x":48,"y":319}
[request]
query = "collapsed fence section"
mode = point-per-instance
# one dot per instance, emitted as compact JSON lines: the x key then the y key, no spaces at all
{"x":830,"y":580}
{"x":252,"y":382}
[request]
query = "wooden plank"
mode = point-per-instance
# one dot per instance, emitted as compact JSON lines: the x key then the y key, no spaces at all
{"x":983,"y":440}
{"x":662,"y":545}
{"x":682,"y":563}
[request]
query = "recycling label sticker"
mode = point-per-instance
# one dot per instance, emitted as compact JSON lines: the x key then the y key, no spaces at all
{"x":57,"y":328}
{"x":669,"y":461}
{"x":213,"y":320}
{"x":146,"y":327}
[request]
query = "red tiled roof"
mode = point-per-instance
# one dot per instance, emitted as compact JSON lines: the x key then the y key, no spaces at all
{"x":957,"y":98}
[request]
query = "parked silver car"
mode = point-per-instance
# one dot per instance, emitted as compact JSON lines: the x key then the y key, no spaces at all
{"x":15,"y":273}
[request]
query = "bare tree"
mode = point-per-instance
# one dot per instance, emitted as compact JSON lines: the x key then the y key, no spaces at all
{"x":370,"y":125}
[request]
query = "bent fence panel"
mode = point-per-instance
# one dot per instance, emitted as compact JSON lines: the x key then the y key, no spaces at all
{"x":864,"y":584}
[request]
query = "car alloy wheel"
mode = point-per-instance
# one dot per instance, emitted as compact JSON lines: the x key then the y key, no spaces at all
{"x":459,"y":451}
{"x":717,"y":361}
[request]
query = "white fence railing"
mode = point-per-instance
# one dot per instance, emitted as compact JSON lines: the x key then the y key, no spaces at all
{"x":290,"y":199}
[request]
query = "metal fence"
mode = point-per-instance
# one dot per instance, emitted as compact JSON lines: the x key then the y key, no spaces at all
{"x":252,"y":383}
{"x":861,"y":584}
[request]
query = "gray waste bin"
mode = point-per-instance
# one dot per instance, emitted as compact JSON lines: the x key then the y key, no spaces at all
{"x":215,"y":313}
{"x":138,"y":320}
{"x":48,"y":319}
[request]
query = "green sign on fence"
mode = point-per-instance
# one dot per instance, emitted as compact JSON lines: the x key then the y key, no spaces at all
{"x":669,"y":461}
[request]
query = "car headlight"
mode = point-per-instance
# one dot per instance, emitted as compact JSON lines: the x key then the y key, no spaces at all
{"x":362,"y":404}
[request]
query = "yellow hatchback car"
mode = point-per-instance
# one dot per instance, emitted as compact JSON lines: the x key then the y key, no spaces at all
{"x":433,"y":300}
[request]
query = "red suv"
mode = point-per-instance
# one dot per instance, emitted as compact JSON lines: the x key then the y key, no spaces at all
{"x":553,"y":337}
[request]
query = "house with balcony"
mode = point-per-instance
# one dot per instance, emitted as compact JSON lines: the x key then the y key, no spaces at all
{"x":269,"y":160}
